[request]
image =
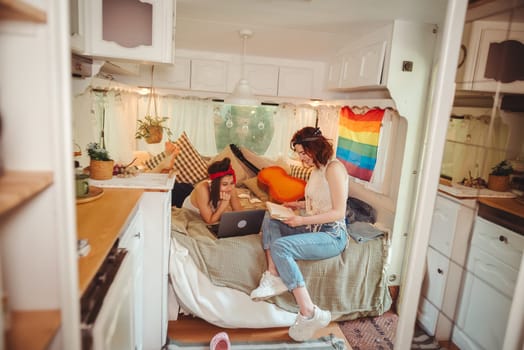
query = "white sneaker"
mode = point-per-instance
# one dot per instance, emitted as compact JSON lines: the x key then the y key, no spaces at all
{"x":269,"y":287}
{"x":305,"y":328}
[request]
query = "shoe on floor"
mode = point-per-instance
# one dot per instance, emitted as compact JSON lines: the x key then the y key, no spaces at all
{"x":269,"y":287}
{"x":305,"y":328}
{"x":220,"y":342}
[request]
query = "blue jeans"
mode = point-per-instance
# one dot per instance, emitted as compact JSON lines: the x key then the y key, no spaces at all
{"x":288,"y":244}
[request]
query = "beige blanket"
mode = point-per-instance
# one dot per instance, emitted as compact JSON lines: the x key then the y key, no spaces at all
{"x":350,"y":285}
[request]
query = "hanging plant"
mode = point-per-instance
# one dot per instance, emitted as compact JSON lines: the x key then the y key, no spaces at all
{"x":151,"y":129}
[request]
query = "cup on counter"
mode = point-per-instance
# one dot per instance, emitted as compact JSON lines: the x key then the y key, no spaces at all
{"x":82,"y":185}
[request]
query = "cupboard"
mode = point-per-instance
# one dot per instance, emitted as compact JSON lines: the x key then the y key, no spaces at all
{"x":140,"y":31}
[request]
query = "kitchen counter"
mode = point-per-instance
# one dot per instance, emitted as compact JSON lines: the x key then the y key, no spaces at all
{"x":101,"y":222}
{"x":507,"y":212}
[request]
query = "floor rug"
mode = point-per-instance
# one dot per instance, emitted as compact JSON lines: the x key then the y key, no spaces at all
{"x":378,"y":333}
{"x":323,"y":343}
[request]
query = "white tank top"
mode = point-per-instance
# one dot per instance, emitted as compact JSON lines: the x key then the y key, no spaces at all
{"x":317,"y":193}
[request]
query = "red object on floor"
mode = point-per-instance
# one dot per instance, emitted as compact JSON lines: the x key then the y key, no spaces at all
{"x":220,"y":342}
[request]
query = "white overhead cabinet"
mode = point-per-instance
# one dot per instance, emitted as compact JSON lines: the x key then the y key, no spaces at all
{"x":492,"y":54}
{"x":370,"y":61}
{"x":124,"y":29}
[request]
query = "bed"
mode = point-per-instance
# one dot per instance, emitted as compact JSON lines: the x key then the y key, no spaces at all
{"x":212,"y":278}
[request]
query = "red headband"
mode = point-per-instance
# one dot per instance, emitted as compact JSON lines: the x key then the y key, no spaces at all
{"x":220,"y":174}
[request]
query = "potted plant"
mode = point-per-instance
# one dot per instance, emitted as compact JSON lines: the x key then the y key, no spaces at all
{"x":100,"y":165}
{"x":498,"y":179}
{"x":151,"y":129}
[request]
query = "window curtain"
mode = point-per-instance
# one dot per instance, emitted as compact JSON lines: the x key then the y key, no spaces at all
{"x":288,"y":119}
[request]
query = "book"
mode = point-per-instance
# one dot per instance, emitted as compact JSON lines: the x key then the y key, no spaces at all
{"x":278,"y":211}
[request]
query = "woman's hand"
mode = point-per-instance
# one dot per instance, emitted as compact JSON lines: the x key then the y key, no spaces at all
{"x":294,"y":221}
{"x":294,"y":205}
{"x":225,"y":197}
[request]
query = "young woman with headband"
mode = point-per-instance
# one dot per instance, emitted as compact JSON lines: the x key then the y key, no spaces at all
{"x":318,"y":233}
{"x":211,"y":197}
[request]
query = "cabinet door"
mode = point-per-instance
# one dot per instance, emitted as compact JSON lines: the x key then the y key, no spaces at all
{"x":177,"y":76}
{"x":443,"y":225}
{"x":133,"y":241}
{"x":435,"y":279}
{"x":263,"y":78}
{"x":482,"y":317}
{"x":130,"y":29}
{"x":334,"y":72}
{"x":371,"y":64}
{"x":295,"y":82}
{"x":483,"y":40}
{"x":208,"y":75}
{"x":349,"y":75}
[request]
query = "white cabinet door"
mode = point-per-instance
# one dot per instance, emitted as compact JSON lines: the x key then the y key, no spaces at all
{"x":133,"y":241}
{"x":485,"y":35}
{"x":371,"y":64}
{"x":482,"y":317}
{"x":129,"y":30}
{"x":435,"y":279}
{"x":208,"y":75}
{"x":295,"y":82}
{"x":334,"y":73}
{"x":177,"y":76}
{"x":350,"y":70}
{"x":263,"y":78}
{"x":443,"y":225}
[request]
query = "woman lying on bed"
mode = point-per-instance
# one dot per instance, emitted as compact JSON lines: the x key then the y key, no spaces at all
{"x":210,"y":198}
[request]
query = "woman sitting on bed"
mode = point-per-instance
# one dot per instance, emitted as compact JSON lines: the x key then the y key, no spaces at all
{"x":319,"y":234}
{"x":210,"y":198}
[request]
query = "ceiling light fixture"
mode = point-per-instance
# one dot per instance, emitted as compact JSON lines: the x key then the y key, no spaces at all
{"x":243,"y":95}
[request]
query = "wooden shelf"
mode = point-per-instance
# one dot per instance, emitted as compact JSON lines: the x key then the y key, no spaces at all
{"x":17,"y":10}
{"x":32,"y":329}
{"x":17,"y":187}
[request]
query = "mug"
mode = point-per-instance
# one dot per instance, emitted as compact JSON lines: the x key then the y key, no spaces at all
{"x":82,"y":185}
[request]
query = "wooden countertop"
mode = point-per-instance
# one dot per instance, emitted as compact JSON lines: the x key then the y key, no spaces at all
{"x":510,"y":205}
{"x":101,"y":222}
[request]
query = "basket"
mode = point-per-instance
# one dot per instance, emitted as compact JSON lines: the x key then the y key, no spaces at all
{"x":498,"y":183}
{"x":155,"y":134}
{"x":101,"y":169}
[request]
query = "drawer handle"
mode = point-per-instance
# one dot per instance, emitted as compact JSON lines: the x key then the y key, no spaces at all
{"x":440,"y":271}
{"x":503,"y":239}
{"x":138,"y":235}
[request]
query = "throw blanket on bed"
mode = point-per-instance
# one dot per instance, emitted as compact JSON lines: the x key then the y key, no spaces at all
{"x":358,"y":141}
{"x":351,"y":285}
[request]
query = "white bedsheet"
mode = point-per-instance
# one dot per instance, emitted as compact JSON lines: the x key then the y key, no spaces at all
{"x":221,"y":306}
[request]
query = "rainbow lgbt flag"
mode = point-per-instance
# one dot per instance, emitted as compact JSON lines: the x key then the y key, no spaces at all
{"x":358,"y":136}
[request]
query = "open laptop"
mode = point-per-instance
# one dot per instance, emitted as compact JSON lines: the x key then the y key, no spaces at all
{"x":238,"y":223}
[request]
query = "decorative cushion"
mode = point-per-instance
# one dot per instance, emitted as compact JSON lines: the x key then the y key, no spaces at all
{"x":254,"y":186}
{"x":189,"y":164}
{"x":300,"y":172}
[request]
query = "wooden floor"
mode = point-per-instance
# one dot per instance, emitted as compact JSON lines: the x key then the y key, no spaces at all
{"x":192,"y":329}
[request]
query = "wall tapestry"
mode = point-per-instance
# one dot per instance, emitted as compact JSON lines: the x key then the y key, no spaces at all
{"x":358,"y":141}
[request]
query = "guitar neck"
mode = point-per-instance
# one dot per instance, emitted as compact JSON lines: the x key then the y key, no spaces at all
{"x":238,"y":153}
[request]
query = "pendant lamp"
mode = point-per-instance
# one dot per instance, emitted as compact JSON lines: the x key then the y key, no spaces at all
{"x":243,"y":95}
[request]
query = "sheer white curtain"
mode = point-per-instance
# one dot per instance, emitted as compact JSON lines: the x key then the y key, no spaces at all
{"x":288,"y":119}
{"x":191,"y":115}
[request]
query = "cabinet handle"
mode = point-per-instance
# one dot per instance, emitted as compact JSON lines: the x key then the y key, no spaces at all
{"x":440,"y":271}
{"x":138,"y":235}
{"x":503,"y":239}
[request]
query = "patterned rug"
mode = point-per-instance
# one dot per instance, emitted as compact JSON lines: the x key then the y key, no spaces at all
{"x":378,"y":333}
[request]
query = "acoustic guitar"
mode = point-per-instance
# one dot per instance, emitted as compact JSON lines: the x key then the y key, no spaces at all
{"x":281,"y":186}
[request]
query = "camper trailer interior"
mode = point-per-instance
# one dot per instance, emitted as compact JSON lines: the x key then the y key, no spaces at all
{"x":114,"y":266}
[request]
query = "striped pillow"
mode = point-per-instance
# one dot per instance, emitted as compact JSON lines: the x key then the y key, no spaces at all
{"x":300,"y":172}
{"x":189,"y":164}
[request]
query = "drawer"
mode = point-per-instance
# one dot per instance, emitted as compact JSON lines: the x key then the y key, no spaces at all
{"x":498,"y":242}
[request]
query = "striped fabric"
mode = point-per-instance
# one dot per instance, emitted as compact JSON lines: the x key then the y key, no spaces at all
{"x":190,"y":165}
{"x":153,"y":162}
{"x":358,"y":136}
